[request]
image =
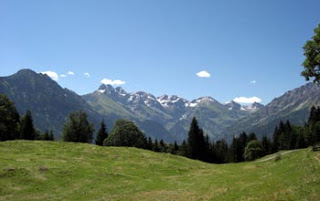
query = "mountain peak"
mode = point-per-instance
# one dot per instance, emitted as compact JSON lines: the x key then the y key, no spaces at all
{"x":106,"y":88}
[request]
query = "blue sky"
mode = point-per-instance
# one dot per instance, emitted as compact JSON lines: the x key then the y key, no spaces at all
{"x":250,"y":48}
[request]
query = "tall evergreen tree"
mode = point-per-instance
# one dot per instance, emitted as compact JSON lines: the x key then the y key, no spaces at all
{"x":102,"y":134}
{"x":9,"y":119}
{"x":156,"y":146}
{"x":221,"y":150}
{"x":266,"y":145}
{"x":252,"y":136}
{"x":175,"y":148}
{"x":149,"y":144}
{"x":27,"y":131}
{"x":195,"y":139}
{"x":163,"y":146}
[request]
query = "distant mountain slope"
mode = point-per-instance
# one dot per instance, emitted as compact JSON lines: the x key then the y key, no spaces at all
{"x":172,"y":113}
{"x":294,"y":105}
{"x":165,"y":117}
{"x":50,"y":104}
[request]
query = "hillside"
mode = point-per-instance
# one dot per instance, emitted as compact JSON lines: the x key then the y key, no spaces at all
{"x":293,"y":105}
{"x":49,"y":103}
{"x":35,"y":170}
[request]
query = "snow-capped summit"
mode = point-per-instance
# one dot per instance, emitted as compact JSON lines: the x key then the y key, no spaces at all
{"x":252,"y":107}
{"x":170,"y":101}
{"x":232,"y":105}
{"x":202,"y":100}
{"x":108,"y":89}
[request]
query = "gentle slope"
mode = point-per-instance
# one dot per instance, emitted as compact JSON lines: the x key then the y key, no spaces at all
{"x":35,"y":170}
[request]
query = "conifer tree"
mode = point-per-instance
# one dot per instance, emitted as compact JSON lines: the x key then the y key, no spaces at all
{"x":195,"y":140}
{"x":102,"y":134}
{"x":252,"y":136}
{"x":149,"y":144}
{"x":28,"y":131}
{"x":163,"y":146}
{"x":266,"y":145}
{"x":175,"y":148}
{"x":156,"y":146}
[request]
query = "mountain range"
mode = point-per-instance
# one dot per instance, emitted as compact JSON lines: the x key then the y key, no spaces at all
{"x":165,"y":117}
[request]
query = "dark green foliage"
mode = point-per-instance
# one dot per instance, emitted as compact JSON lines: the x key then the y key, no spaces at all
{"x":196,"y":141}
{"x":47,"y":136}
{"x":9,"y":119}
{"x":278,"y":157}
{"x":149,"y":144}
{"x":126,"y":133}
{"x":221,"y":151}
{"x":251,"y":137}
{"x":314,"y":126}
{"x":77,"y":128}
{"x":175,"y":148}
{"x":266,"y":145}
{"x":183,"y":151}
{"x":236,"y":149}
{"x":163,"y":146}
{"x":312,"y":53}
{"x":102,"y":134}
{"x":27,"y":130}
{"x":253,"y":150}
{"x":156,"y":146}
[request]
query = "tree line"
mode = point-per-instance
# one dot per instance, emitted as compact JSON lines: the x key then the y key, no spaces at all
{"x":13,"y":126}
{"x":197,"y":146}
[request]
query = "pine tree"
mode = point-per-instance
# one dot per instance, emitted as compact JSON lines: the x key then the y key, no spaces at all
{"x":194,"y":140}
{"x":266,"y":145}
{"x":102,"y":134}
{"x":252,"y":136}
{"x":175,"y":148}
{"x":163,"y":146}
{"x":51,"y":136}
{"x":156,"y":146}
{"x":149,"y":144}
{"x":28,"y":131}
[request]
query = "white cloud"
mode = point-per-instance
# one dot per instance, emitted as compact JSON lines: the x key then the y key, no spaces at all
{"x":247,"y":99}
{"x":53,"y":75}
{"x":203,"y":74}
{"x":86,"y":74}
{"x":253,"y":82}
{"x":112,"y":82}
{"x":63,"y":75}
{"x":70,"y":73}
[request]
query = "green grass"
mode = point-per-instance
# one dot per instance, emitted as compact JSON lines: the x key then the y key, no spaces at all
{"x":35,"y":170}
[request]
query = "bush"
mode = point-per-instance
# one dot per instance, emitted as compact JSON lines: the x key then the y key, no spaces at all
{"x":253,"y":150}
{"x":278,"y":157}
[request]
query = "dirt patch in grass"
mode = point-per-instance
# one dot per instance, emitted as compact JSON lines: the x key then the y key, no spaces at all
{"x":164,"y":195}
{"x":250,"y":167}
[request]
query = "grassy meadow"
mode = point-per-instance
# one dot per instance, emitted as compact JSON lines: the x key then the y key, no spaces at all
{"x":37,"y":170}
